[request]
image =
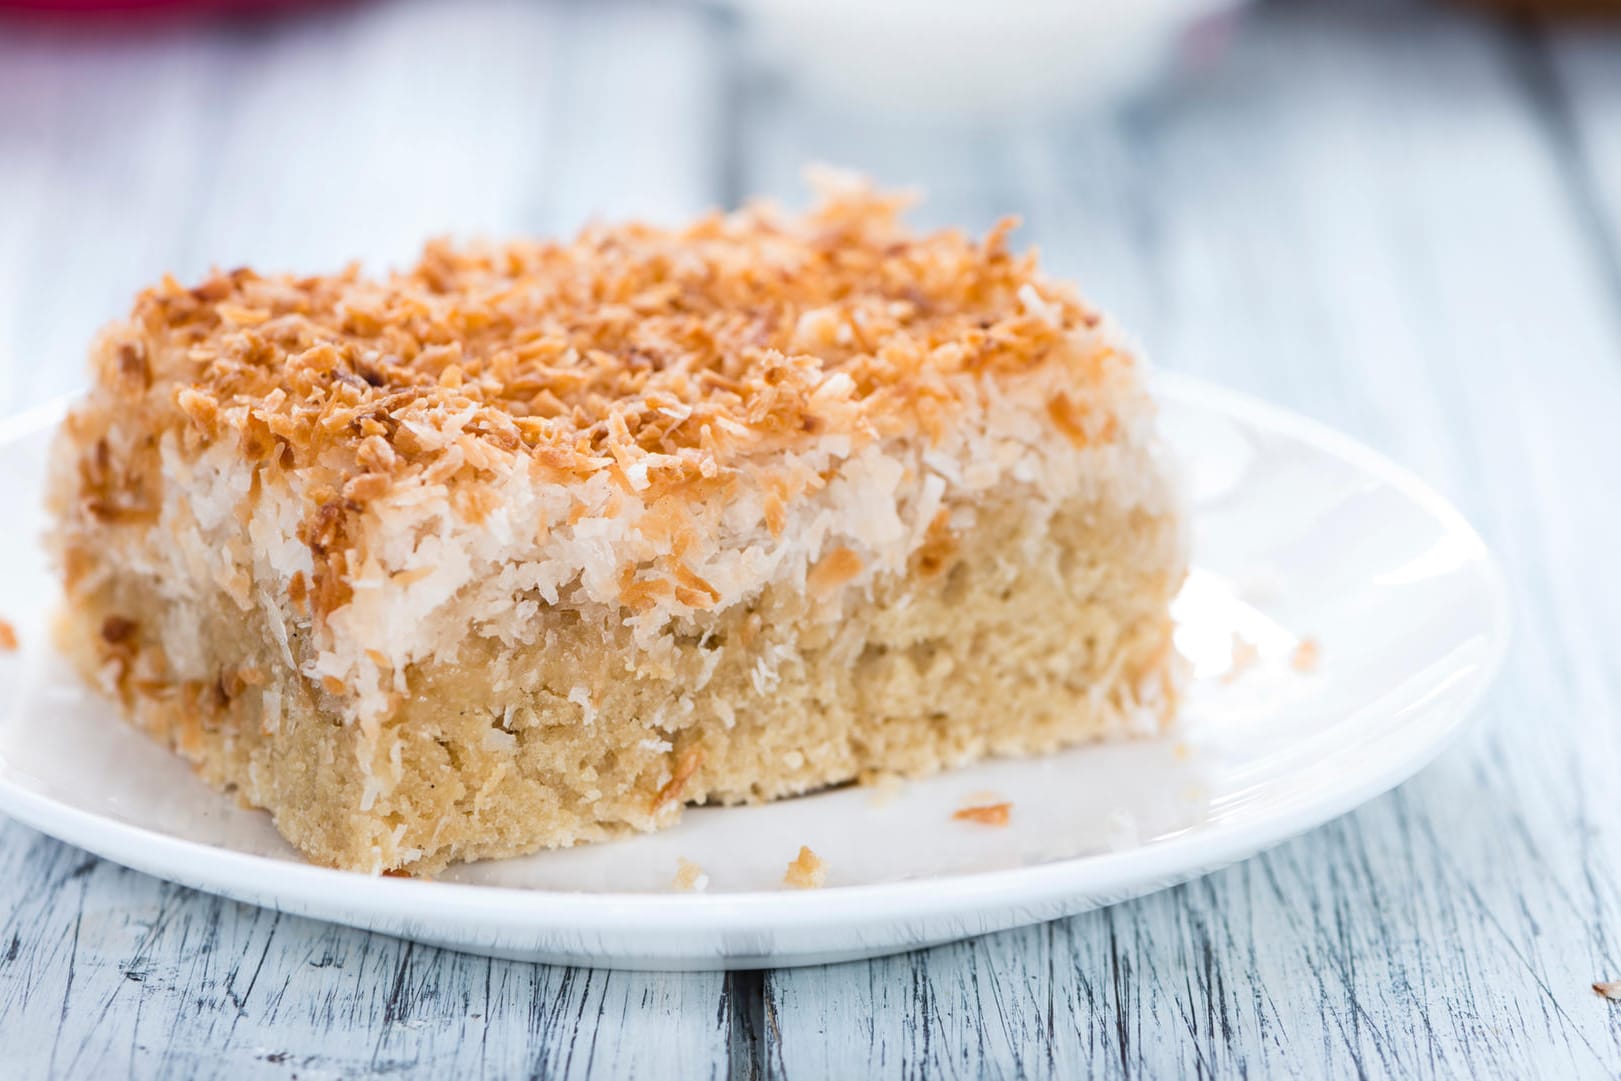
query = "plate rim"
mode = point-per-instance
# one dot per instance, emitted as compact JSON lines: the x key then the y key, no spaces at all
{"x":341,"y":895}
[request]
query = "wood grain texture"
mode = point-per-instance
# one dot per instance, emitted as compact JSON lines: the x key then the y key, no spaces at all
{"x":1389,"y":240}
{"x":1403,"y":222}
{"x":108,"y":973}
{"x":300,"y":143}
{"x":1584,"y":95}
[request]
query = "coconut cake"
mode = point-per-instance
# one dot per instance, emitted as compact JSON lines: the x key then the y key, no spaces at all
{"x":538,"y":543}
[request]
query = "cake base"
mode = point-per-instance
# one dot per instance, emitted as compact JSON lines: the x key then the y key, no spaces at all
{"x":1026,"y":632}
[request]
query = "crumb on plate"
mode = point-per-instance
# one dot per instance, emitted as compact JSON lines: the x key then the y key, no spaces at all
{"x":986,"y":814}
{"x":1610,"y":989}
{"x":1245,"y":656}
{"x":806,"y":872}
{"x":884,"y":784}
{"x":1306,"y":655}
{"x":8,"y":637}
{"x":690,"y":877}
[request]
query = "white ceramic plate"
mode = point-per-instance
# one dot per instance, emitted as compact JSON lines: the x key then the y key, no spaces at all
{"x":1298,"y":533}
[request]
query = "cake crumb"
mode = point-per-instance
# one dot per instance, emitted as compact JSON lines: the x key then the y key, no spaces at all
{"x":1245,"y":656}
{"x":1181,"y":750}
{"x":690,"y":877}
{"x":8,"y":637}
{"x":806,"y":872}
{"x":1306,"y":655}
{"x":986,"y":814}
{"x":1610,"y":989}
{"x":885,"y":786}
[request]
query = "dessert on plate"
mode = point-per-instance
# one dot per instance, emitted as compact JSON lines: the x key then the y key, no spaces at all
{"x":535,"y":544}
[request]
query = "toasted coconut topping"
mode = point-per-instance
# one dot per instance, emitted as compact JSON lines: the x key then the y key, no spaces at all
{"x":659,"y":356}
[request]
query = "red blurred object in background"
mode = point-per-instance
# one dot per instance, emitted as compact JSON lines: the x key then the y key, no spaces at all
{"x":131,"y":7}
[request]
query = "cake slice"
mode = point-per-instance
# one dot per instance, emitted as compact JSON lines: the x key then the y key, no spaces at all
{"x":533,"y":545}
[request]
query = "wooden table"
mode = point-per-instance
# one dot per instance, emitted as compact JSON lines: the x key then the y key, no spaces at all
{"x":1404,"y":221}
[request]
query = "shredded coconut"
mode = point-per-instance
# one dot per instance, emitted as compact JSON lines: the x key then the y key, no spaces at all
{"x":580,"y":695}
